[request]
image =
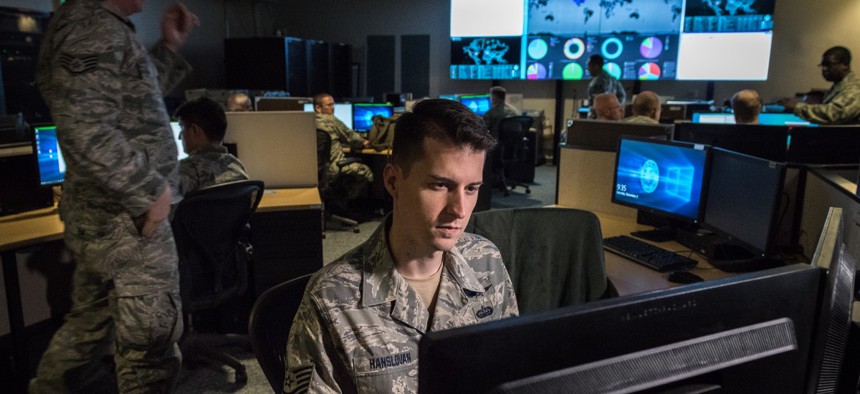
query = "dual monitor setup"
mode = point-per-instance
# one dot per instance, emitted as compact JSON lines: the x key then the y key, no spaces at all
{"x":358,"y":116}
{"x":694,"y":187}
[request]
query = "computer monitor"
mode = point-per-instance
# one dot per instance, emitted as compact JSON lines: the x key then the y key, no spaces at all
{"x":766,"y":142}
{"x":713,"y":118}
{"x":603,"y":135}
{"x":448,"y":97}
{"x":52,"y":167}
{"x":176,"y":128}
{"x":478,"y":103}
{"x":764,"y":118}
{"x":281,"y":103}
{"x":824,"y":145}
{"x":661,"y":177}
{"x":342,"y":111}
{"x":750,"y":333}
{"x":743,"y":201}
{"x":363,"y":113}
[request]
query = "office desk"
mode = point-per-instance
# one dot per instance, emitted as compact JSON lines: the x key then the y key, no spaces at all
{"x":286,"y":217}
{"x":376,"y":160}
{"x":17,"y":232}
{"x":630,"y":277}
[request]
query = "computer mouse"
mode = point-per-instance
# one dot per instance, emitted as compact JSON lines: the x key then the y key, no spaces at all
{"x":684,"y":277}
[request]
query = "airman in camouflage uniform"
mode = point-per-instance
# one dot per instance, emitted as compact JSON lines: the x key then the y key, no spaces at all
{"x":841,"y":104}
{"x":105,"y":96}
{"x":602,"y":82}
{"x":358,"y":326}
{"x":352,"y":179}
{"x":498,"y":110}
{"x":204,"y":125}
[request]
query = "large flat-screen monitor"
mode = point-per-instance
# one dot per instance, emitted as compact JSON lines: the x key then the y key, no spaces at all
{"x":767,"y":142}
{"x":52,"y":167}
{"x":639,"y":39}
{"x":824,"y":145}
{"x":765,"y":118}
{"x":662,"y":177}
{"x":478,"y":103}
{"x":363,"y":113}
{"x":603,"y":135}
{"x":747,"y":334}
{"x":342,"y":111}
{"x":743,"y":202}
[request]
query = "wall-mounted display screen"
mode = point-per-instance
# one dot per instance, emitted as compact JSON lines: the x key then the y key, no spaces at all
{"x":638,"y":39}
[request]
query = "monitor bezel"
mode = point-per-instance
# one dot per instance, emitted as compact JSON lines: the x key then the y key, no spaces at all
{"x":461,"y":97}
{"x":703,"y":189}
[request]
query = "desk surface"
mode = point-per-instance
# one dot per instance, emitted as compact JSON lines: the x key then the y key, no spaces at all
{"x":44,"y":225}
{"x":630,"y":277}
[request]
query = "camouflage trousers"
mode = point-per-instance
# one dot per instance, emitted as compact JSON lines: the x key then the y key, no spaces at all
{"x":125,"y":299}
{"x":350,"y":181}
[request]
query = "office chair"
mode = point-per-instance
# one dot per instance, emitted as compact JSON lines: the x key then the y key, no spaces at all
{"x":270,"y":324}
{"x":554,"y":256}
{"x":513,"y":149}
{"x":210,"y":228}
{"x":326,"y":186}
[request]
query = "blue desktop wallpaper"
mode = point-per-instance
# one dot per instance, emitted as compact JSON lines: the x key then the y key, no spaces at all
{"x":660,"y":176}
{"x":51,"y":166}
{"x":362,"y":115}
{"x":479,"y":104}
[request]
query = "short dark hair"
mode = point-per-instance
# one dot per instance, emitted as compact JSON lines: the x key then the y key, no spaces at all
{"x":498,"y":91}
{"x":840,"y":54}
{"x":318,"y":98}
{"x":442,"y":120}
{"x":597,"y":59}
{"x":207,"y":114}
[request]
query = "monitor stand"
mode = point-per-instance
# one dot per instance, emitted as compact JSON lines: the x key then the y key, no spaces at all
{"x":660,"y":234}
{"x":730,"y":257}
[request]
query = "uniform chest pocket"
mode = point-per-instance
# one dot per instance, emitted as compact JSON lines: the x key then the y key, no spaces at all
{"x":388,"y":372}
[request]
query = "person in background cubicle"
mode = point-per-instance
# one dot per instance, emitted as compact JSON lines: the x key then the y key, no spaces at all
{"x":607,"y":107}
{"x":841,"y":104}
{"x":239,"y":102}
{"x":602,"y":82}
{"x":208,"y":163}
{"x":646,"y":108}
{"x":354,"y":178}
{"x":746,"y":106}
{"x":106,"y":95}
{"x":358,"y":326}
{"x":499,"y":109}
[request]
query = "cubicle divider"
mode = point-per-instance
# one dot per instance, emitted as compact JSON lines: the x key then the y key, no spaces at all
{"x":827,"y":187}
{"x":585,"y":178}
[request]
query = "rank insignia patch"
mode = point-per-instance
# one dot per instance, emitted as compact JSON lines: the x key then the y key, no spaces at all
{"x":298,"y":379}
{"x":79,"y":64}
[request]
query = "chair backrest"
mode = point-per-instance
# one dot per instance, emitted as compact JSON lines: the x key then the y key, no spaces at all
{"x":323,"y":159}
{"x":553,"y":255}
{"x":512,"y":137}
{"x":210,"y":228}
{"x":269,"y":326}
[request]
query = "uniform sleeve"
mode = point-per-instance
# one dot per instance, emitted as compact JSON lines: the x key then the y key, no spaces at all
{"x":85,"y":94}
{"x":843,"y":109}
{"x":172,"y":68}
{"x":311,"y":359}
{"x":620,"y":92}
{"x":188,"y":179}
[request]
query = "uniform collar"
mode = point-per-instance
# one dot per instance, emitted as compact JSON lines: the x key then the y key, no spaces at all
{"x":209,"y":148}
{"x":113,"y":11}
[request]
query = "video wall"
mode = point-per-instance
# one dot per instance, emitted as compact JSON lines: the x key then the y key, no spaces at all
{"x":638,"y":39}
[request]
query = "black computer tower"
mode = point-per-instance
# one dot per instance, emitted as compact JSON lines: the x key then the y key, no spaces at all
{"x":266,"y":63}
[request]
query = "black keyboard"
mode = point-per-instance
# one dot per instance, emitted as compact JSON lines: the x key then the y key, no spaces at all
{"x":646,"y":254}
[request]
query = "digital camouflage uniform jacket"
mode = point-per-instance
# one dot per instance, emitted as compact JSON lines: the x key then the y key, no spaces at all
{"x":104,"y":90}
{"x":208,"y":167}
{"x":340,"y":134}
{"x":359,"y":323}
{"x":841,"y":105}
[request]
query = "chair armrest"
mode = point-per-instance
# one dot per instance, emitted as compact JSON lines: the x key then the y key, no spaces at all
{"x":348,"y":161}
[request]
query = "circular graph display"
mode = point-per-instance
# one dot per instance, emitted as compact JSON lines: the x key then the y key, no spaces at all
{"x":649,"y":176}
{"x":536,"y":71}
{"x":537,"y":49}
{"x":613,"y":69}
{"x":572,"y":71}
{"x":574,"y":48}
{"x":651,"y":47}
{"x":611,"y":48}
{"x":649,"y":72}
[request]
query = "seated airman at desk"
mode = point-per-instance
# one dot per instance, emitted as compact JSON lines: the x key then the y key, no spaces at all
{"x":353,"y":178}
{"x":208,"y":163}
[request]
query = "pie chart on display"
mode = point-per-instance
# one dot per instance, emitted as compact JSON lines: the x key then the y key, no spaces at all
{"x":613,"y":69}
{"x":572,"y":71}
{"x":651,"y":47}
{"x":649,"y":72}
{"x":537,"y":49}
{"x":574,"y":48}
{"x":536,"y":71}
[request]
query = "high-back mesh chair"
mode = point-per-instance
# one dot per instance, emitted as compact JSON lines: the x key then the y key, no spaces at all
{"x":326,"y":186}
{"x":210,"y":227}
{"x":269,"y":326}
{"x":553,"y":255}
{"x":513,"y":148}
